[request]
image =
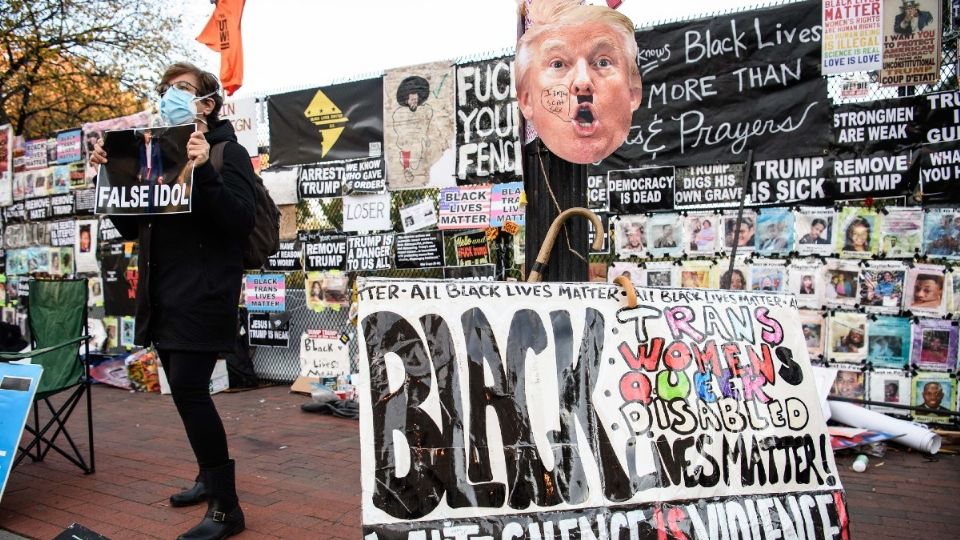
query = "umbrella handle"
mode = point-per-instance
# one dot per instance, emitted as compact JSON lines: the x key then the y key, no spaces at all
{"x":543,"y":257}
{"x":628,"y":289}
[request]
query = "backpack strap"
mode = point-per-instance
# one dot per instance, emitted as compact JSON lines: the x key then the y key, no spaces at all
{"x":216,"y":155}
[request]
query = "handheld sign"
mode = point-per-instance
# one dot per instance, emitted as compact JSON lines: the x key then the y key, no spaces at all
{"x":147,"y":172}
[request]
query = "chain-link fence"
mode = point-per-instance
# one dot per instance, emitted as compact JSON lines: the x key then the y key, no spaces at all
{"x":282,"y":364}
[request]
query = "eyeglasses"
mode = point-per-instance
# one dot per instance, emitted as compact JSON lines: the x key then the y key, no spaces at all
{"x":181,"y":85}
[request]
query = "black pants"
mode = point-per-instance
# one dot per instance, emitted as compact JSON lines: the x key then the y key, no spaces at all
{"x":188,"y":373}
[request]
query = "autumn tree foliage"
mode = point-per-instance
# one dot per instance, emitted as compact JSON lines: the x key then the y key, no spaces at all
{"x":65,"y":62}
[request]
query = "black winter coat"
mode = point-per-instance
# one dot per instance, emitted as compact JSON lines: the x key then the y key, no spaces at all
{"x":191,"y":265}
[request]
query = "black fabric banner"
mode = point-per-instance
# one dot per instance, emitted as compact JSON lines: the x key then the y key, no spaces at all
{"x":338,"y":122}
{"x":634,"y":191}
{"x":322,"y":252}
{"x":419,"y":250}
{"x":714,"y":88}
{"x":488,"y":135}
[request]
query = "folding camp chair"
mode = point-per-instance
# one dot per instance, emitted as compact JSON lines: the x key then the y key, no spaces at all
{"x":57,"y":315}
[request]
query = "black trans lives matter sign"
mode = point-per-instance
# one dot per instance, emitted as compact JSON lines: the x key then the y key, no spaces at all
{"x":715,"y":88}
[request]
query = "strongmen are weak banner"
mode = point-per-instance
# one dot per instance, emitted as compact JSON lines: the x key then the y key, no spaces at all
{"x":514,"y":410}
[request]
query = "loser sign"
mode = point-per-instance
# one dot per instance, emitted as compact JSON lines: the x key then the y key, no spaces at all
{"x":510,"y":410}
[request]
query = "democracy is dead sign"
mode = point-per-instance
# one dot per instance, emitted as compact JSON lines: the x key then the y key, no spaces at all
{"x":550,"y":410}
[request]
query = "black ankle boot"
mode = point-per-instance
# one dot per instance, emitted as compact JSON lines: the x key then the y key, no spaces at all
{"x":195,"y":495}
{"x":224,"y":517}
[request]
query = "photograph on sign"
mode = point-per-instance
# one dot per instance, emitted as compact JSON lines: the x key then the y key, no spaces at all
{"x":806,"y":282}
{"x":881,"y":286}
{"x":934,"y":345}
{"x":700,"y":233}
{"x":889,"y":342}
{"x":329,"y":289}
{"x":889,"y":386}
{"x":842,"y":279}
{"x":925,"y":290}
{"x":936,"y":391}
{"x":631,"y":236}
{"x":814,"y":332}
{"x":847,"y":337}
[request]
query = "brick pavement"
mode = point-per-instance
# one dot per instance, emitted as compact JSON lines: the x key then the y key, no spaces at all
{"x":298,"y":477}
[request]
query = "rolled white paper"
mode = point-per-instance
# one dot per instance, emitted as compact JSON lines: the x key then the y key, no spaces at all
{"x":915,"y":436}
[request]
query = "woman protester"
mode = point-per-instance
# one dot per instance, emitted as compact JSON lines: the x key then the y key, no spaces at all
{"x":190,"y":271}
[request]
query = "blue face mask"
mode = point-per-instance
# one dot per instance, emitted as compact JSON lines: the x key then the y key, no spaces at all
{"x":179,"y":106}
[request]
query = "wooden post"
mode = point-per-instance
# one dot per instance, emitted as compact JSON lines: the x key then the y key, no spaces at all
{"x":568,"y":183}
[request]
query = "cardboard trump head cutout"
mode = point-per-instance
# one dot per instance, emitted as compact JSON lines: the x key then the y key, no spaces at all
{"x":578,"y":82}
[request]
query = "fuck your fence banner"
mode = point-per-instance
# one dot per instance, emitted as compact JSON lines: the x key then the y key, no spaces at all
{"x":550,"y":410}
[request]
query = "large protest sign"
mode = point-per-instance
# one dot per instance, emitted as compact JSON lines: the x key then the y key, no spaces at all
{"x":601,"y":419}
{"x":418,"y":125}
{"x":488,"y":123}
{"x":265,"y":292}
{"x":369,"y":212}
{"x":911,"y":42}
{"x":147,"y":173}
{"x":879,"y":175}
{"x":465,"y":207}
{"x":852,"y":36}
{"x":338,"y":122}
{"x":700,"y":76}
{"x":69,"y":147}
{"x":321,"y":179}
